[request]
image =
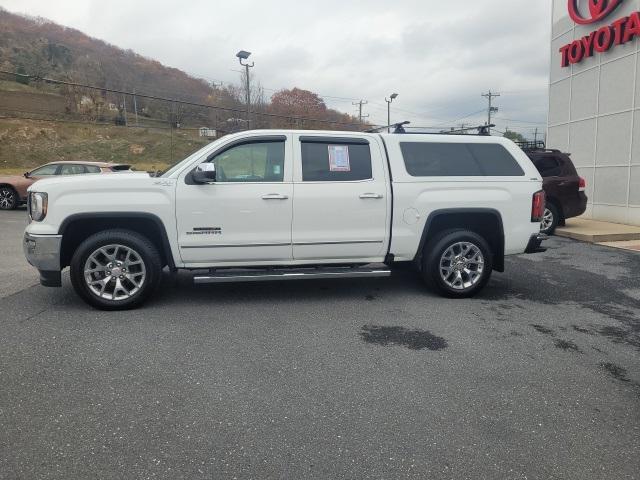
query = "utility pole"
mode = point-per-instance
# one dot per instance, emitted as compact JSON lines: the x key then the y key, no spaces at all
{"x":124,"y":109}
{"x":535,"y":135}
{"x":490,"y":96}
{"x":135,"y":105}
{"x":360,"y":104}
{"x":244,"y":55}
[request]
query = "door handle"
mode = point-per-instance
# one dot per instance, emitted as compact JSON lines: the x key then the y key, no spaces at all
{"x":274,"y":196}
{"x":370,"y":195}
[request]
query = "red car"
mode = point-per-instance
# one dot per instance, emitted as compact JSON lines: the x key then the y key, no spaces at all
{"x":13,"y":188}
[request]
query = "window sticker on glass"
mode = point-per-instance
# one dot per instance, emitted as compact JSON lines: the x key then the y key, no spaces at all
{"x":339,"y":158}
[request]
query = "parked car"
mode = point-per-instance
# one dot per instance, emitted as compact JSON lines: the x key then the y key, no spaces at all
{"x":564,"y":188}
{"x":285,"y":205}
{"x":13,"y":188}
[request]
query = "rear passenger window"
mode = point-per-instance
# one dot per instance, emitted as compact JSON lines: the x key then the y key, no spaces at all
{"x":548,"y":166}
{"x":335,"y":161}
{"x":458,"y":160}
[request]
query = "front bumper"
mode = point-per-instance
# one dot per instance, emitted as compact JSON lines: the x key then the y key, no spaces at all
{"x":43,"y":252}
{"x":535,"y":242}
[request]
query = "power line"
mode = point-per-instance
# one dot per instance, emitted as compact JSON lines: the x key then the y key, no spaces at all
{"x":183,"y":102}
{"x":527,"y":122}
{"x":231,"y":84}
{"x":463,"y":118}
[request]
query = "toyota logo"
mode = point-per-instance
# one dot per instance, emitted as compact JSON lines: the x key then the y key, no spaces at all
{"x":598,"y":9}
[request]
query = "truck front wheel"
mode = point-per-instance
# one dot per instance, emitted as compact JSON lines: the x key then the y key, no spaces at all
{"x":115,"y":269}
{"x":457,"y":263}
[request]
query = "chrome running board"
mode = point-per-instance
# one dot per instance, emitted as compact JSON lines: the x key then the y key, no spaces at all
{"x":233,"y":275}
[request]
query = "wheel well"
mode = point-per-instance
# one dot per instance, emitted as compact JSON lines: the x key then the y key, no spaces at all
{"x":76,"y":230}
{"x":557,"y":204}
{"x":8,"y":185}
{"x":486,"y":223}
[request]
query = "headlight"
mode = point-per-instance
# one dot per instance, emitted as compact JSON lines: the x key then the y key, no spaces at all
{"x":38,"y":203}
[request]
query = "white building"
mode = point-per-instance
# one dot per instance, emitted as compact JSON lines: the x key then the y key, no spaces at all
{"x":207,"y":132}
{"x":594,"y":101}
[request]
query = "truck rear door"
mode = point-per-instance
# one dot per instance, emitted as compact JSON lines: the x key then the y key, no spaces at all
{"x":342,"y":199}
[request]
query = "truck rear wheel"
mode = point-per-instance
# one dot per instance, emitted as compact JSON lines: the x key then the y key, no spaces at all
{"x":115,"y":269}
{"x":457,"y":263}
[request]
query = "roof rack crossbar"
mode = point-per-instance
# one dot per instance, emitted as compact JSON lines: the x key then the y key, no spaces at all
{"x":397,"y":128}
{"x":483,"y":130}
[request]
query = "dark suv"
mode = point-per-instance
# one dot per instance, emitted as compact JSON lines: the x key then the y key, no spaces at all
{"x":563,"y":187}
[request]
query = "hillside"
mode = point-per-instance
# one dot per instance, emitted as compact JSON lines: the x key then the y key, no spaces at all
{"x":25,"y":144}
{"x":39,"y":47}
{"x":41,"y":121}
{"x":43,"y":48}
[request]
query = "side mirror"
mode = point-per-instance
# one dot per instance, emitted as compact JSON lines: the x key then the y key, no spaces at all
{"x":205,"y":173}
{"x":26,"y":174}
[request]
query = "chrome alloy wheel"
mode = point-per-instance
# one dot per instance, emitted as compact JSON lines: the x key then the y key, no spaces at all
{"x":547,"y":220}
{"x":461,"y":265}
{"x":114,"y":272}
{"x":7,"y":198}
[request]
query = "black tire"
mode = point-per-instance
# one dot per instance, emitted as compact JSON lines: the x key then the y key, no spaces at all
{"x":8,"y":198}
{"x":140,"y":245}
{"x":554,"y":211}
{"x":433,"y":254}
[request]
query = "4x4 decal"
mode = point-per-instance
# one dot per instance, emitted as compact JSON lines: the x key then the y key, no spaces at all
{"x":206,"y":231}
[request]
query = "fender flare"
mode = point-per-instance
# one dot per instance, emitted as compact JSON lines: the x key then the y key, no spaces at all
{"x":498,"y":254}
{"x":164,"y":238}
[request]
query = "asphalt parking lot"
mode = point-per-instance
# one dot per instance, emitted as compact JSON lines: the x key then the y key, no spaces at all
{"x":538,"y":377}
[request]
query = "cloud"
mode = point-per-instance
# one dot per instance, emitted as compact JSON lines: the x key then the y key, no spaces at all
{"x":439,"y":56}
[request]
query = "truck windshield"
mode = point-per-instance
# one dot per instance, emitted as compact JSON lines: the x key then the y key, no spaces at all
{"x":175,"y":166}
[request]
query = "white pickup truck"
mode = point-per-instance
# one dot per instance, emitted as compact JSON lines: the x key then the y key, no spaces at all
{"x":281,"y":205}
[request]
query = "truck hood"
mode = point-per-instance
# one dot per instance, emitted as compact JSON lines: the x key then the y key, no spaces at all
{"x":91,"y":181}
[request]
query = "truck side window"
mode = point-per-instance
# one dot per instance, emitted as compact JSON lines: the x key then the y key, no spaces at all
{"x":251,"y":162}
{"x":335,"y":162}
{"x":494,"y":160}
{"x":423,"y":159}
{"x":439,"y":160}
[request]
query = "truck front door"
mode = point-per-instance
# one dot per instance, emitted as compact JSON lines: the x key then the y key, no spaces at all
{"x":245,"y":215}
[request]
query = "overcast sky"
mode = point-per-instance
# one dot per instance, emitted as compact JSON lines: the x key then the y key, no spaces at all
{"x":439,"y":56}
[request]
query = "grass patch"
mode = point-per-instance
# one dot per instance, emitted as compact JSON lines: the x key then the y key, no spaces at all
{"x":26,"y":144}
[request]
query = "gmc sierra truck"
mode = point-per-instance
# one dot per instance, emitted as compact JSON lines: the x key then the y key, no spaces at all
{"x":283,"y":205}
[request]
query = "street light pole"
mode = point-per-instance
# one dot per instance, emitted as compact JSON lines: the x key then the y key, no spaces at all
{"x":393,"y":97}
{"x":244,"y":55}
